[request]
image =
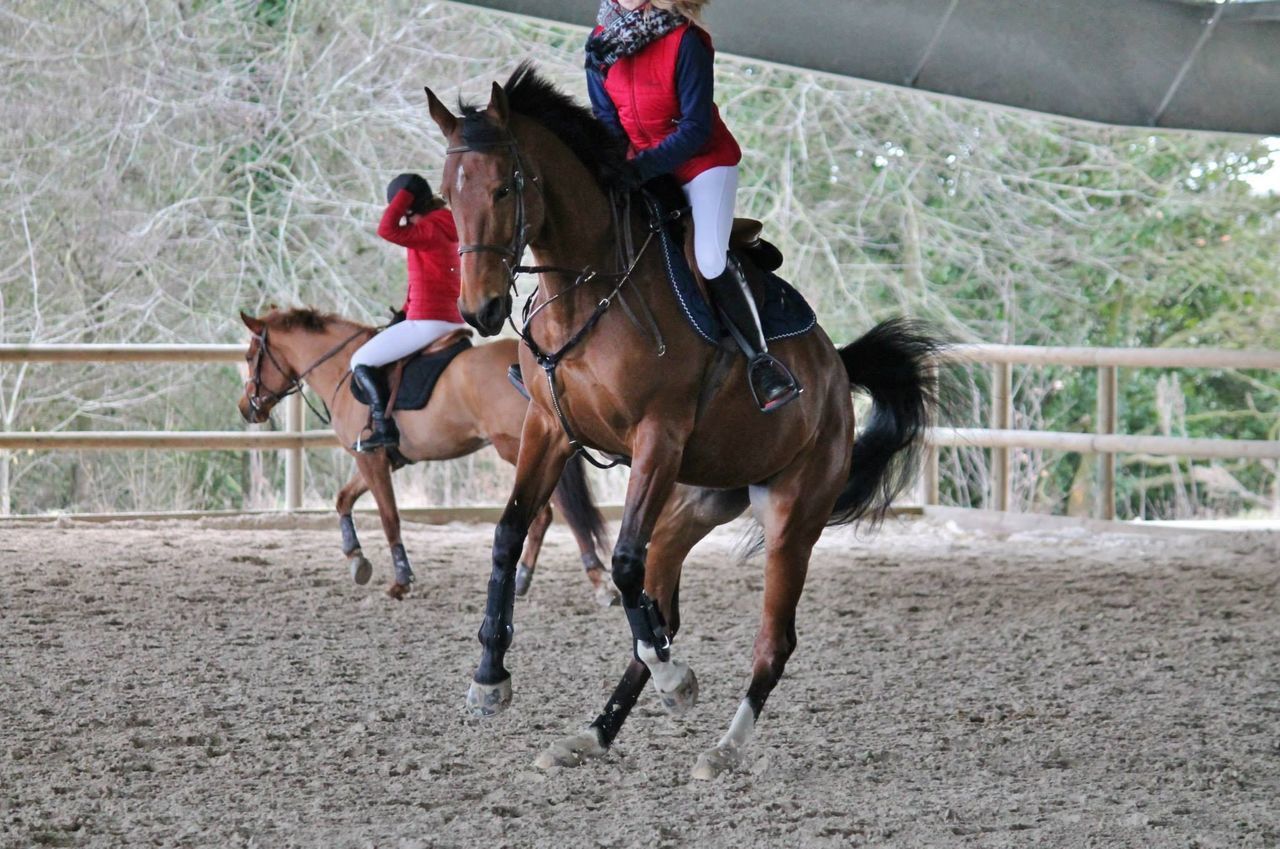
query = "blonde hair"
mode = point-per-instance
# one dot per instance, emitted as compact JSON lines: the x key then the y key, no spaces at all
{"x":691,"y":9}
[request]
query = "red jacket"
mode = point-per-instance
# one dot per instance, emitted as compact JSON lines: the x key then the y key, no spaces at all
{"x":645,"y":92}
{"x":432,"y":241}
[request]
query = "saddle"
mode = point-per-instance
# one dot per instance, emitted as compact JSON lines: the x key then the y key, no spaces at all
{"x":783,"y":311}
{"x":745,"y":239}
{"x":410,"y":381}
{"x":663,"y":196}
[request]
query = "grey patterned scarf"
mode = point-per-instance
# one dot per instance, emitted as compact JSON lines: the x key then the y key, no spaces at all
{"x":626,"y":33}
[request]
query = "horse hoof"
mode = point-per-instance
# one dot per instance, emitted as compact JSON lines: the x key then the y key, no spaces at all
{"x":716,"y":762}
{"x":524,"y":578}
{"x":574,"y":750}
{"x":398,"y":591}
{"x":361,"y":569}
{"x":489,"y":699}
{"x":683,"y":696}
{"x":607,"y":595}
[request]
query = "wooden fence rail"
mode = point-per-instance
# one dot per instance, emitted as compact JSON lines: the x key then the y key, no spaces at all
{"x":122,"y":353}
{"x":1106,"y":443}
{"x":1000,"y":437}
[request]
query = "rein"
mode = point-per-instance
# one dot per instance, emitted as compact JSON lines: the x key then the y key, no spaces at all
{"x":627,"y":256}
{"x":258,"y":404}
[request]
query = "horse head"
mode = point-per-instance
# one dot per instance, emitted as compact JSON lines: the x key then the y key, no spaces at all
{"x":269,"y":377}
{"x":489,"y":186}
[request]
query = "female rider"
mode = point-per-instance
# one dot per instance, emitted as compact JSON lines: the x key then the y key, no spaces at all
{"x":418,"y":221}
{"x":649,"y":74}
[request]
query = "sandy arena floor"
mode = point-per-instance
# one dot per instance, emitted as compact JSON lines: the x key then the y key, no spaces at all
{"x":208,"y":684}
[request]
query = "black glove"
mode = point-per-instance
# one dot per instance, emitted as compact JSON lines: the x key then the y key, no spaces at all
{"x":397,"y":316}
{"x":622,"y":176}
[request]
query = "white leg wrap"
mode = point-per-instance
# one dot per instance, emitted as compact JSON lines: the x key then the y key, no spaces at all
{"x":728,"y":752}
{"x":742,"y":727}
{"x":666,"y":675}
{"x":675,"y":682}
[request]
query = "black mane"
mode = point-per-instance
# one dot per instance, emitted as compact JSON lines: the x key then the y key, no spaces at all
{"x":537,"y":98}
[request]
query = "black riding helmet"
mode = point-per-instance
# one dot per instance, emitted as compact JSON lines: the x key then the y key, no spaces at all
{"x":416,"y":186}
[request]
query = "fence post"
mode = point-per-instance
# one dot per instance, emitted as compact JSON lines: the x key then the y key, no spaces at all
{"x":294,"y":418}
{"x":932,"y":481}
{"x":1106,"y":415}
{"x":1001,"y":419}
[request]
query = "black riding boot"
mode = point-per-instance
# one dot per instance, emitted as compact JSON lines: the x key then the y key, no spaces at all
{"x":383,"y":433}
{"x":771,"y":382}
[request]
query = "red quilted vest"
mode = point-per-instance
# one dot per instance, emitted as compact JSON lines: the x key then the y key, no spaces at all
{"x":643,"y":90}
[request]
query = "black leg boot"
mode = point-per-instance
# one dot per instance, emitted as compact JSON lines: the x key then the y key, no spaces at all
{"x":771,"y":382}
{"x":382,"y":432}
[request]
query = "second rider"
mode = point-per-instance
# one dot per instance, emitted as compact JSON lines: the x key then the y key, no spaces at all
{"x":419,"y":221}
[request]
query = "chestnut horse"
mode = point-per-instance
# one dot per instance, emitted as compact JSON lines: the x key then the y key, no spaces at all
{"x":473,"y":405}
{"x":529,"y":170}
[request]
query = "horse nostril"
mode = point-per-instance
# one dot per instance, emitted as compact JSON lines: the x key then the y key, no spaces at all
{"x":494,"y":313}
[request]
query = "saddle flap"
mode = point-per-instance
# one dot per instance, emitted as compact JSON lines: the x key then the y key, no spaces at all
{"x":410,"y":381}
{"x":783,"y":311}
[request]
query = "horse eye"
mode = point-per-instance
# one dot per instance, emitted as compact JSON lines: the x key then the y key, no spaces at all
{"x":502,"y":193}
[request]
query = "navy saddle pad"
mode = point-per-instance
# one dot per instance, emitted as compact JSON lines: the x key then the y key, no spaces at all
{"x":420,"y":375}
{"x":784,"y":313}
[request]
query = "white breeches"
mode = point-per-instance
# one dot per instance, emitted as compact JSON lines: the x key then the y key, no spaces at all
{"x":711,"y":196}
{"x":401,"y":340}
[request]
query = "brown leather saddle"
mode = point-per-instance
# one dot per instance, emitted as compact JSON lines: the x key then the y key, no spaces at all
{"x":746,"y":242}
{"x":745,"y":238}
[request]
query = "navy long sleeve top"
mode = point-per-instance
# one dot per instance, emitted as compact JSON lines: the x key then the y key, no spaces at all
{"x":695,"y":89}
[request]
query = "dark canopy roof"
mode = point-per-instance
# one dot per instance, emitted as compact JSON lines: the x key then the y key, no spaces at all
{"x":1145,"y":63}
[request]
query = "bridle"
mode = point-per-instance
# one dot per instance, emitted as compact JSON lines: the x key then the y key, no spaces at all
{"x":260,"y":404}
{"x":629,"y":259}
{"x":512,"y":252}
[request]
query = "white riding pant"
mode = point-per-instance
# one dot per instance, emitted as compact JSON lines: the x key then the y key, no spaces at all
{"x":401,"y":340}
{"x":711,"y":196}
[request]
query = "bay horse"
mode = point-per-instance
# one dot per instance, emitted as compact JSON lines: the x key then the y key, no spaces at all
{"x":472,"y":405}
{"x":530,"y":169}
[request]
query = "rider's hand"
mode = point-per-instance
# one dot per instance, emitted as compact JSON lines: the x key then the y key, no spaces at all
{"x":623,"y":176}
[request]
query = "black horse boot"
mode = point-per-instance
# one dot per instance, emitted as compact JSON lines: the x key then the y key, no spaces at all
{"x":772,"y":383}
{"x":383,"y":433}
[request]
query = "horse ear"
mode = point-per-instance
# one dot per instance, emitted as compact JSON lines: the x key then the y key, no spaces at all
{"x":498,"y":109}
{"x":440,"y":113}
{"x":254,"y":325}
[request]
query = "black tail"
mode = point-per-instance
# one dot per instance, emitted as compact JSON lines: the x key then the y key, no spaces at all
{"x":896,"y":362}
{"x":573,"y":496}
